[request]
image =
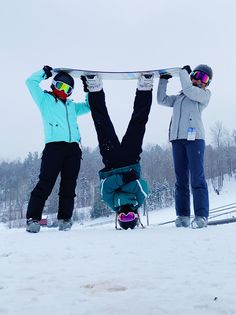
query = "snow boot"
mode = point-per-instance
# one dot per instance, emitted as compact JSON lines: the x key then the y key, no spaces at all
{"x":182,"y":221}
{"x":64,"y":225}
{"x":199,"y":222}
{"x":32,"y":226}
{"x":145,"y":82}
{"x":94,"y":82}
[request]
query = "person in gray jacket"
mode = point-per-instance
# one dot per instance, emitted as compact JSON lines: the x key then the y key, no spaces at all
{"x":187,"y":135}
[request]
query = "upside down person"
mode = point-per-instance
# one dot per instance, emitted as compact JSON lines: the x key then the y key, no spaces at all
{"x":120,"y":180}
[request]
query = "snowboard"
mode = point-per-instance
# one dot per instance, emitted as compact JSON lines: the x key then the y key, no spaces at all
{"x":119,"y":75}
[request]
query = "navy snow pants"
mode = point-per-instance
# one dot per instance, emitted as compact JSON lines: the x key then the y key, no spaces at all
{"x":189,"y":161}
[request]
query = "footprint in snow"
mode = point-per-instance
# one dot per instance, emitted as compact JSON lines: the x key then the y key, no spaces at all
{"x":104,"y":287}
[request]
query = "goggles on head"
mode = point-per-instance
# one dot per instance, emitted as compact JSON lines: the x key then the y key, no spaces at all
{"x":61,"y":86}
{"x":199,"y":75}
{"x":130,"y":216}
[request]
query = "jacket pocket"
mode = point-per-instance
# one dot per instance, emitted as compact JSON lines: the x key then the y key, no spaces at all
{"x":191,"y":121}
{"x":53,"y":128}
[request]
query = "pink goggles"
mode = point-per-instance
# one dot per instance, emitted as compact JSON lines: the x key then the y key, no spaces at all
{"x":199,"y":75}
{"x":130,"y":216}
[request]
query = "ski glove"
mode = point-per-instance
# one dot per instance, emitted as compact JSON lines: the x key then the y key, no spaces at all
{"x":48,"y":71}
{"x":165,"y":76}
{"x":83,"y":79}
{"x":130,"y":176}
{"x":187,"y":68}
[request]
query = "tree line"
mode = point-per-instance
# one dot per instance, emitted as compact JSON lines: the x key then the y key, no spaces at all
{"x":18,"y":178}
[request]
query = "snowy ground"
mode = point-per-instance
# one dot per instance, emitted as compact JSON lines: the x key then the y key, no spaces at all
{"x":97,"y":270}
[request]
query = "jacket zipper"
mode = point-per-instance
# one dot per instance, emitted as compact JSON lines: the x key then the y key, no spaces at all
{"x":67,"y":118}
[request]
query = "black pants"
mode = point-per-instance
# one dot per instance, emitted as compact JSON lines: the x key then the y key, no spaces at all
{"x":114,"y":153}
{"x":58,"y":157}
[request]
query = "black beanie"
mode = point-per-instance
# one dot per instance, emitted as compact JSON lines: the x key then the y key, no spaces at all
{"x":65,"y":78}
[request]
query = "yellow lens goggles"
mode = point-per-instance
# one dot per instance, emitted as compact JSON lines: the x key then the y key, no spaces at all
{"x":61,"y":86}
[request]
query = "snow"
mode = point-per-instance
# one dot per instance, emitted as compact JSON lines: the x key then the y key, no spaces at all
{"x":98,"y":270}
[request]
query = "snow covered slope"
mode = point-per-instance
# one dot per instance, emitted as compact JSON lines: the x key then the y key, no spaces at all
{"x":159,"y":270}
{"x":100,"y":271}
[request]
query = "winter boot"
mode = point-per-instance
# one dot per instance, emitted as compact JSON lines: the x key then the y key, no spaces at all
{"x":145,"y":82}
{"x":199,"y":222}
{"x":32,"y":226}
{"x":182,"y":221}
{"x":64,"y":225}
{"x":94,"y":82}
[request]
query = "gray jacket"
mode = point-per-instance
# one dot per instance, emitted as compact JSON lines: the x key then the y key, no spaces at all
{"x":187,"y":107}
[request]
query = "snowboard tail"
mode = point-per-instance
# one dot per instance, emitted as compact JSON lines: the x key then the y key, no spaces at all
{"x":119,"y":75}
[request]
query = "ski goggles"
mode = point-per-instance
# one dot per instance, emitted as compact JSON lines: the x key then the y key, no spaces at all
{"x":61,"y":86}
{"x":130,"y":216}
{"x":199,"y":75}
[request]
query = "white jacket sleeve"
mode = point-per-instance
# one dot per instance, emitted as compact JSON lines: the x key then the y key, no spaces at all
{"x":162,"y":97}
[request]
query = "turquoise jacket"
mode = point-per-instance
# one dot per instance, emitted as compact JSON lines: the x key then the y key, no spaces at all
{"x":59,"y":119}
{"x":116,"y":193}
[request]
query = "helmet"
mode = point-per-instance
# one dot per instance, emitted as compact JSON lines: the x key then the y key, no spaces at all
{"x":65,"y":78}
{"x":128,"y":211}
{"x":206,"y":69}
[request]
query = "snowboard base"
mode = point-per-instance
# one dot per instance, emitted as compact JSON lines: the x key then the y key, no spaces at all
{"x":119,"y":75}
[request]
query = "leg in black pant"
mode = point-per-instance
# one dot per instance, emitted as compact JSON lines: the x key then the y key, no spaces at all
{"x":50,"y":168}
{"x":109,"y":143}
{"x":133,"y":139}
{"x":69,"y":174}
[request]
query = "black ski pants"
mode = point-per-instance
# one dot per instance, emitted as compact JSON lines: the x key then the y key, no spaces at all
{"x":115,"y":153}
{"x":58,"y":158}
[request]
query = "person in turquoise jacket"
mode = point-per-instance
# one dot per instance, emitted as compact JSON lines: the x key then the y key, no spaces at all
{"x":62,"y":153}
{"x":120,"y":180}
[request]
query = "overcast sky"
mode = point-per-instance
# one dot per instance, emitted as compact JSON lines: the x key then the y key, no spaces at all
{"x":112,"y":35}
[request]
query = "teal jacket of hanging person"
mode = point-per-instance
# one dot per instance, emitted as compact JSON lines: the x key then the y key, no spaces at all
{"x":59,"y":119}
{"x":116,"y":193}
